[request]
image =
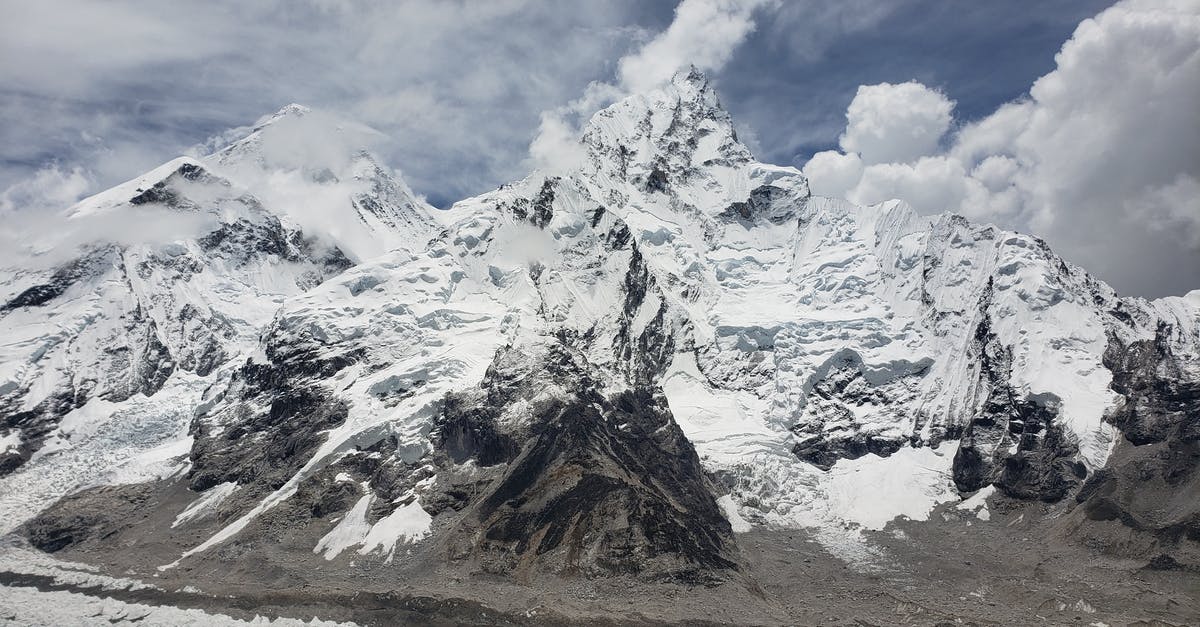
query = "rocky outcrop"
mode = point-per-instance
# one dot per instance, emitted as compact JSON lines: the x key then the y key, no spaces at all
{"x":236,"y":442}
{"x":601,"y":484}
{"x":1151,"y":480}
{"x":133,"y":317}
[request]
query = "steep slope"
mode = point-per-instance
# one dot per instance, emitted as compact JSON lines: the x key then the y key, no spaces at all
{"x":613,"y":370}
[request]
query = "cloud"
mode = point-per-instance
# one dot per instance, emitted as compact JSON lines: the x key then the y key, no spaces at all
{"x":1102,"y":159}
{"x":1105,"y":141}
{"x":121,"y":87}
{"x":305,"y":139}
{"x":51,"y":188}
{"x":556,"y":147}
{"x":81,"y":37}
{"x":302,"y":164}
{"x":32,"y":240}
{"x":306,"y":164}
{"x":805,"y":29}
{"x":1172,"y":209}
{"x":926,"y":182}
{"x":703,"y":34}
{"x":888,"y":123}
{"x":832,"y":173}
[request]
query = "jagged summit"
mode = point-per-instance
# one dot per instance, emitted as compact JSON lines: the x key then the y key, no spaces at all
{"x":666,"y":132}
{"x":298,"y":137}
{"x":291,"y":109}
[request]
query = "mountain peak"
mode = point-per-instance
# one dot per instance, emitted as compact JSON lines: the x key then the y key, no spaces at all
{"x":138,"y":190}
{"x":298,"y":138}
{"x":692,"y":78}
{"x":292,"y":109}
{"x":614,"y":372}
{"x":673,"y":128}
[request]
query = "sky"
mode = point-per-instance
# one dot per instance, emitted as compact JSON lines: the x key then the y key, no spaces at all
{"x":1072,"y":120}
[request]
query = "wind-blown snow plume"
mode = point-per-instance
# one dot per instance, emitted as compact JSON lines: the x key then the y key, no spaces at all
{"x":306,"y":164}
{"x":703,"y":34}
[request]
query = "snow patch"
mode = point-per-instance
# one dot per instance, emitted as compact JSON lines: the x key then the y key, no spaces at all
{"x":871,"y":491}
{"x":730,"y":509}
{"x":349,"y":531}
{"x":206,"y":504}
{"x":408,"y":523}
{"x":10,"y":441}
{"x":978,"y":503}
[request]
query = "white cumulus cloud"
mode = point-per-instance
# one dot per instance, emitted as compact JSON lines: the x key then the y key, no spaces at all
{"x":888,"y":123}
{"x":1102,"y":159}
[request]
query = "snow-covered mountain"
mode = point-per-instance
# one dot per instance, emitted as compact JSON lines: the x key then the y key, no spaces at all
{"x":608,"y":370}
{"x":174,"y":274}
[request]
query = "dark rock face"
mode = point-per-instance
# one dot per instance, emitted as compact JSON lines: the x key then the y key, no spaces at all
{"x":657,"y":181}
{"x":540,"y":209}
{"x":600,"y":486}
{"x":262,"y":449}
{"x":543,"y":204}
{"x":1161,"y":402}
{"x":646,"y":354}
{"x":467,"y":431}
{"x":825,"y":453}
{"x":163,"y":192}
{"x":1043,"y":466}
{"x":1151,"y":481}
{"x":834,"y":432}
{"x":35,"y":425}
{"x":386,"y":475}
{"x":243,"y":241}
{"x":145,"y":359}
{"x":90,"y":515}
{"x":761,"y":204}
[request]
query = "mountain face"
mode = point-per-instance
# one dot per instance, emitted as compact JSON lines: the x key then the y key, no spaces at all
{"x":608,"y":371}
{"x":118,"y":317}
